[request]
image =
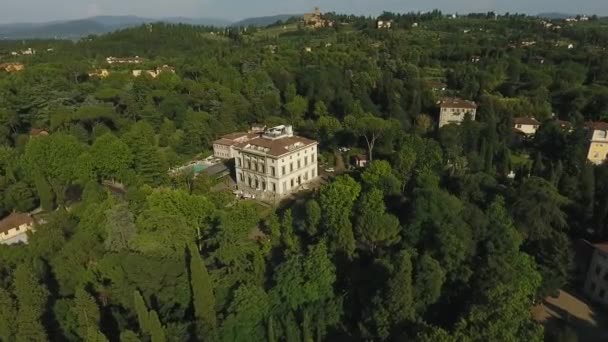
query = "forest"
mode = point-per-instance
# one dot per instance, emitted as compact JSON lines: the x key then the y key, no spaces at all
{"x":435,"y":240}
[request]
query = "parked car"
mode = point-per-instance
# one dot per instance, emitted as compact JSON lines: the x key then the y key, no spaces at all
{"x":330,"y":170}
{"x":343,"y":149}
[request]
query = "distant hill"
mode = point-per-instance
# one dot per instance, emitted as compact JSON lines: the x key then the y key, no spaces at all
{"x":71,"y":29}
{"x":555,"y":15}
{"x":264,"y":21}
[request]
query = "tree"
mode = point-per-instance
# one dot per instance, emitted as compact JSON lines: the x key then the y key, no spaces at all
{"x":85,"y":308}
{"x":369,"y":127}
{"x":399,"y":297}
{"x":19,"y":197}
{"x":296,"y":109}
{"x":8,"y":313}
{"x":337,"y":200}
{"x":120,"y":228}
{"x":52,"y":158}
{"x":430,"y":278}
{"x":537,"y":208}
{"x":31,"y":298}
{"x":203,"y":299}
{"x":379,"y":175}
{"x":112,"y":158}
{"x":374,"y":227}
{"x":313,"y":217}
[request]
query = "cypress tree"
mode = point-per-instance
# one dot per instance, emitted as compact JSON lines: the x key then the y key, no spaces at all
{"x":142,"y":313}
{"x":8,"y":311}
{"x":203,"y":299}
{"x":271,"y":332}
{"x":31,"y":297}
{"x":157,"y":332}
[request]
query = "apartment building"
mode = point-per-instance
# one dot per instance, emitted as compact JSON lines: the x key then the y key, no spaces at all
{"x":276,"y":162}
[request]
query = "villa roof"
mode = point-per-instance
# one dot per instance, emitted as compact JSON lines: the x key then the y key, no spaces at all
{"x":525,"y":121}
{"x":457,"y":103}
{"x":14,"y":220}
{"x":233,"y":138}
{"x":598,"y":125}
{"x":277,"y":147}
{"x":602,"y":247}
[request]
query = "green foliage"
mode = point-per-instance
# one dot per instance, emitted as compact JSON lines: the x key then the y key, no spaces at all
{"x":374,"y":227}
{"x":337,"y":200}
{"x":203,"y":300}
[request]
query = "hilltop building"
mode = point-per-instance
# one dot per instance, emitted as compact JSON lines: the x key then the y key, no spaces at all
{"x":12,"y":67}
{"x":526,"y":126}
{"x":223,"y":147}
{"x":454,"y":110}
{"x":101,"y":73}
{"x":384,"y":24}
{"x":14,"y":228}
{"x":125,"y":60}
{"x":275,"y":163}
{"x":598,"y":142}
{"x":154,"y":73}
{"x":596,"y":282}
{"x":316,"y":20}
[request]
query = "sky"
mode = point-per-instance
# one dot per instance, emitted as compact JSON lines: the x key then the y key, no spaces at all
{"x":47,"y":10}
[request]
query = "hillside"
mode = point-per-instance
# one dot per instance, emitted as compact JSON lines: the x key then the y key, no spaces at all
{"x":95,"y":25}
{"x":264,"y":21}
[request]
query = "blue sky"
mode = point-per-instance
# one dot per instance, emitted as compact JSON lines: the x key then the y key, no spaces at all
{"x":46,"y":10}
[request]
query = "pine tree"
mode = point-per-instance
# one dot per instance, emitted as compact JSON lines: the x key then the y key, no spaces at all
{"x":288,"y":236}
{"x":203,"y":299}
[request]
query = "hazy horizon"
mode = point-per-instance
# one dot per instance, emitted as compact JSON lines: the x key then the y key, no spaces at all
{"x":239,"y":9}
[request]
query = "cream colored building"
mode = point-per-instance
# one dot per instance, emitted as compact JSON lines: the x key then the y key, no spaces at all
{"x":223,"y":147}
{"x":598,"y":142}
{"x":14,"y":228}
{"x":454,"y":110}
{"x":276,"y":163}
{"x":596,"y":283}
{"x":384,"y":24}
{"x":527,"y":126}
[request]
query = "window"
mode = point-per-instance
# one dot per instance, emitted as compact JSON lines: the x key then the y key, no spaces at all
{"x":274,"y":187}
{"x":248,"y":164}
{"x":284,"y":186}
{"x":290,"y":167}
{"x":283,"y":168}
{"x":312,"y":158}
{"x":306,"y":161}
{"x":518,"y":126}
{"x":242,"y":177}
{"x":314,"y":173}
{"x":261,"y":169}
{"x":291,"y":182}
{"x":272,"y":170}
{"x":299,"y":164}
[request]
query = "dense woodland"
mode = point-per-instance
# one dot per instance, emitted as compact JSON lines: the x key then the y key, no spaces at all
{"x":431,"y":242}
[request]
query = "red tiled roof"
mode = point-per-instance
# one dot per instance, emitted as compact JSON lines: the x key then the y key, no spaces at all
{"x":599,"y":125}
{"x":277,"y":147}
{"x":38,"y":131}
{"x":457,"y":103}
{"x":14,"y":220}
{"x":525,"y":121}
{"x":602,"y":247}
{"x":231,"y":139}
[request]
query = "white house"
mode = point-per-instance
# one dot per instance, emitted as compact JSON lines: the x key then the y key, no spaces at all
{"x":14,"y":228}
{"x":276,"y":163}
